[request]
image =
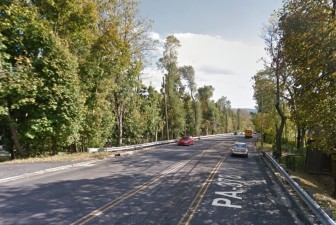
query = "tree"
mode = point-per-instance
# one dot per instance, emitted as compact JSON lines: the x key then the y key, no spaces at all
{"x":309,"y":42}
{"x":111,"y":71}
{"x":97,"y":76}
{"x":133,"y":31}
{"x":245,"y":121}
{"x":188,"y":73}
{"x":152,"y":110}
{"x":264,"y":94}
{"x":204,"y":95}
{"x":73,"y":21}
{"x":172,"y":88}
{"x":273,"y":40}
{"x":51,"y":115}
{"x":14,"y":93}
{"x":225,"y":106}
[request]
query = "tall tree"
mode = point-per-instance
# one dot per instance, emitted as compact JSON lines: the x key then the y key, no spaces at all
{"x":118,"y":55}
{"x":225,"y":106}
{"x":172,"y":87}
{"x":273,"y":40}
{"x":72,"y":20}
{"x":53,"y":115}
{"x":133,"y":30}
{"x":204,"y":95}
{"x":309,"y":42}
{"x":188,"y":73}
{"x":266,"y":116}
{"x":153,"y":114}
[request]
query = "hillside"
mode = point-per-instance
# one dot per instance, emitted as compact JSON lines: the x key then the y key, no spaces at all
{"x":249,"y":110}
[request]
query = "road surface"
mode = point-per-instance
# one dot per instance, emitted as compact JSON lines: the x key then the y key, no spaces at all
{"x":170,"y":184}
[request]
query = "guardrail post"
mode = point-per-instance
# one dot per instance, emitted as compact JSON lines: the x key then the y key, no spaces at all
{"x":316,"y":209}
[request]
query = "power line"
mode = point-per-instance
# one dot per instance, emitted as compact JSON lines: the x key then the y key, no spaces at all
{"x":317,"y":79}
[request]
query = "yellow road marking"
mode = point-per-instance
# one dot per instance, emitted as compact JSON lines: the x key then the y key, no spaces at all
{"x":200,"y":195}
{"x":110,"y":205}
{"x":129,"y":194}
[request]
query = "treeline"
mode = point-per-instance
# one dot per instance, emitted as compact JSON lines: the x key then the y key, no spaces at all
{"x":296,"y":90}
{"x":70,"y":79}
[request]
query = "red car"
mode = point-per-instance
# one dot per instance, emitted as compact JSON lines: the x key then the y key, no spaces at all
{"x":187,"y":140}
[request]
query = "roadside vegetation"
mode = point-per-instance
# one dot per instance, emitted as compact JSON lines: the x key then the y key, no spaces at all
{"x":318,"y":186}
{"x":295,"y":91}
{"x":71,"y":78}
{"x":60,"y":157}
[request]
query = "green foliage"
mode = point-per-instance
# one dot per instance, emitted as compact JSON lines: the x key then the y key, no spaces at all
{"x":302,"y":36}
{"x":309,"y":40}
{"x":173,"y":88}
{"x":41,"y":89}
{"x":152,"y":114}
{"x":204,"y":95}
{"x":70,"y":76}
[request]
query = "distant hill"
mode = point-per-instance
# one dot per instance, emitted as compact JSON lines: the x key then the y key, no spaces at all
{"x":246,"y":109}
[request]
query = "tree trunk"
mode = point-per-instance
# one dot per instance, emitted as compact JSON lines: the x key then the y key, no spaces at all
{"x":166,"y":108}
{"x":278,"y":140}
{"x":226,"y":122}
{"x":298,"y":139}
{"x":53,"y":146}
{"x":13,"y":131}
{"x":120,"y":124}
{"x":73,"y":148}
{"x":196,"y":122}
{"x":334,"y":174}
{"x":301,"y":134}
{"x":303,"y":137}
{"x":279,"y":131}
{"x":156,"y":135}
{"x":195,"y":112}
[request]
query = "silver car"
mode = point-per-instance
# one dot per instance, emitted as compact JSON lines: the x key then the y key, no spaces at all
{"x":239,"y":148}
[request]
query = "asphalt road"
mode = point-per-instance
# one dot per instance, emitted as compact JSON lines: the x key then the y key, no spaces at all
{"x":170,"y":184}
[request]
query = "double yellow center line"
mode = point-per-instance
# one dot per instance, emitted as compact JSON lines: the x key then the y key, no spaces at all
{"x":192,"y":208}
{"x":129,"y":194}
{"x":187,"y":217}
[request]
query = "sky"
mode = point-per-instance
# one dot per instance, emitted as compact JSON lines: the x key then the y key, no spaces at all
{"x":220,"y":39}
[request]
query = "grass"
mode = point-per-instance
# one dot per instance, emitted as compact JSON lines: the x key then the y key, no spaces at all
{"x":319,"y":187}
{"x":62,"y":157}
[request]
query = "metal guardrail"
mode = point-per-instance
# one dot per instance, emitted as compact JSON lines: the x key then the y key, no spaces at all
{"x":141,"y":146}
{"x":130,"y":147}
{"x":317,"y":210}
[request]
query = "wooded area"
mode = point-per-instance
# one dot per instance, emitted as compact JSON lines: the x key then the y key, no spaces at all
{"x":70,"y":78}
{"x":295,"y":92}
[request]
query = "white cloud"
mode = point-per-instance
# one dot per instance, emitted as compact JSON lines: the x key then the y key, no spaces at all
{"x":213,"y":69}
{"x":226,"y":65}
{"x":155,"y":36}
{"x":152,"y":76}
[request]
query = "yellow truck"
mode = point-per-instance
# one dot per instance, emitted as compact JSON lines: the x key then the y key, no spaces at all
{"x":248,"y":133}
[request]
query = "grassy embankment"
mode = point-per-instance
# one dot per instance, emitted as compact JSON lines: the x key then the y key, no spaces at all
{"x":58,"y":158}
{"x":318,"y":186}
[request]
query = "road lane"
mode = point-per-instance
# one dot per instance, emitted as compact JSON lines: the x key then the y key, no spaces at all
{"x":244,"y":192}
{"x":165,"y":185}
{"x":63,"y":197}
{"x":169,"y":198}
{"x":189,"y":214}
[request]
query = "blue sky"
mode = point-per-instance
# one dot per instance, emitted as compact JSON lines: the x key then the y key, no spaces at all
{"x":219,"y":38}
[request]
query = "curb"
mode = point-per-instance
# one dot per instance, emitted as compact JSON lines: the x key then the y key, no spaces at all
{"x":54,"y":169}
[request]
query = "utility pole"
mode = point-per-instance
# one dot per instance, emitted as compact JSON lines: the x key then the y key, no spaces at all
{"x":262,"y":120}
{"x":166,"y":108}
